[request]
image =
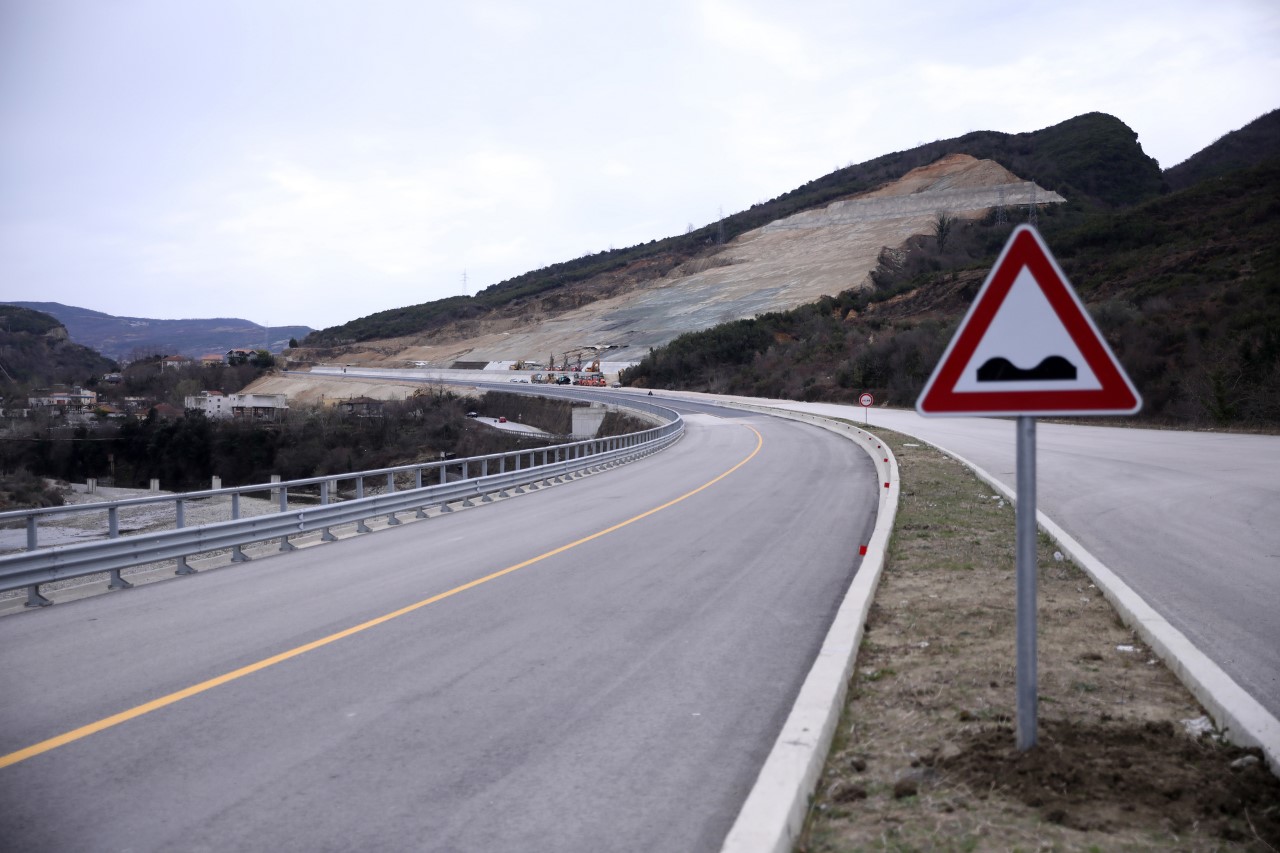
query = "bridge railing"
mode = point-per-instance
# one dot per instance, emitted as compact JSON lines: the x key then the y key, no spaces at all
{"x":305,"y":506}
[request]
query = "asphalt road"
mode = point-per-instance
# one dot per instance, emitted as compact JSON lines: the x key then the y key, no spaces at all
{"x":1189,"y":520}
{"x":620,"y":693}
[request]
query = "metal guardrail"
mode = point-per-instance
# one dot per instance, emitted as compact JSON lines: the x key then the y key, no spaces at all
{"x":477,"y":478}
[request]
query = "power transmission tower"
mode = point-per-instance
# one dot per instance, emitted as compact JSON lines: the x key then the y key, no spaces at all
{"x":1001,"y":213}
{"x":1032,"y":215}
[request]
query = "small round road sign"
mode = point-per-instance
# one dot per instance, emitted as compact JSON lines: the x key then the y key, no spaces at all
{"x":866,"y":400}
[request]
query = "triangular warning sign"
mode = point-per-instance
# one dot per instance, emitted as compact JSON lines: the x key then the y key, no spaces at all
{"x":1028,"y":347}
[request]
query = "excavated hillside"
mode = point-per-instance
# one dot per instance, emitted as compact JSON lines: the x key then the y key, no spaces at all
{"x":787,"y":263}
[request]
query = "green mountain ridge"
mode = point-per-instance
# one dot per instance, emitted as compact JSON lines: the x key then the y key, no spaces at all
{"x":1239,"y":149}
{"x":1093,"y":159}
{"x":1184,"y":285}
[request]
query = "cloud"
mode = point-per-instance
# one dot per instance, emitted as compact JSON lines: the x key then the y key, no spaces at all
{"x":323,"y":166}
{"x":390,"y":220}
{"x":783,"y":49}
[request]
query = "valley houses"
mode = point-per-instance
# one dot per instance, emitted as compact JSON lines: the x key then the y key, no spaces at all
{"x":256,"y":407}
{"x":74,"y":399}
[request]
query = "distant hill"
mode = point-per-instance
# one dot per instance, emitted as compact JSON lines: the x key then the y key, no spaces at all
{"x":36,"y":351}
{"x":1240,"y":149}
{"x":1094,"y":160}
{"x":1180,"y":269}
{"x":124,"y":338}
{"x":1185,"y":286}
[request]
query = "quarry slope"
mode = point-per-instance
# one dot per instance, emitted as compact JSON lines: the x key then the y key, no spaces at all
{"x":787,"y":263}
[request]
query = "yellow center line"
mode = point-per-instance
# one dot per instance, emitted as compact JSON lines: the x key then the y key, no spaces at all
{"x":195,"y":689}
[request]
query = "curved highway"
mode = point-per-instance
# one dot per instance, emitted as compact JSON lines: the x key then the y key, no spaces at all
{"x":601,"y":665}
{"x":1189,"y":520}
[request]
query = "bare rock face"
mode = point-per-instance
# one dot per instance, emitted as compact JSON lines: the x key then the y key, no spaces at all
{"x":785,"y":264}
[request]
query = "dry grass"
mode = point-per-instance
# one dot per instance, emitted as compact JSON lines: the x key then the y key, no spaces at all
{"x":925,"y":757}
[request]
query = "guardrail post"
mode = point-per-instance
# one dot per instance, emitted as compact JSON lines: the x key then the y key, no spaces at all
{"x":34,"y":598}
{"x":327,"y":535}
{"x":444,"y":478}
{"x":237,"y":555}
{"x":285,"y":544}
{"x":391,"y":490}
{"x":502,"y":469}
{"x":421,"y":511}
{"x":179,"y":522}
{"x":520,"y":466}
{"x":113,"y":532}
{"x":466,"y":475}
{"x":33,"y":534}
{"x":361,"y":527}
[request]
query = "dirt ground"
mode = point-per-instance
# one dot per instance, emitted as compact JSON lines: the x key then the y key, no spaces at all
{"x":926,"y":758}
{"x":320,"y":389}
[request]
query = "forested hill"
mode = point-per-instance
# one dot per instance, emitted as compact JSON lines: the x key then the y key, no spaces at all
{"x":1185,"y":287}
{"x":35,"y":351}
{"x":1094,"y":160}
{"x":1248,"y":146}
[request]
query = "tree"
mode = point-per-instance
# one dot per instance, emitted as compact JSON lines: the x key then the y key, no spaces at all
{"x":942,"y":225}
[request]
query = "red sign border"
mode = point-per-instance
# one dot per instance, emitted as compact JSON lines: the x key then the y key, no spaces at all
{"x":1026,"y":249}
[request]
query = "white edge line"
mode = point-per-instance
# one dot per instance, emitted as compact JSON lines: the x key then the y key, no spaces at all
{"x":773,"y":814}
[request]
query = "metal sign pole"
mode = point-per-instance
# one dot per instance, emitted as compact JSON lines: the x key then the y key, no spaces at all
{"x":1026,"y":595}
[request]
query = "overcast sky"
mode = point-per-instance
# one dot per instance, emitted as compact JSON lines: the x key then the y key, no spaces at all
{"x":310,"y":162}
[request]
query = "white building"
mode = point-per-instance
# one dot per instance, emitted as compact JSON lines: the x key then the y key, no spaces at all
{"x":257,"y":407}
{"x":69,"y":399}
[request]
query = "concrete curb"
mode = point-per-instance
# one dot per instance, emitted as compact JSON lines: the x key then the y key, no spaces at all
{"x":773,"y":814}
{"x":1239,"y":716}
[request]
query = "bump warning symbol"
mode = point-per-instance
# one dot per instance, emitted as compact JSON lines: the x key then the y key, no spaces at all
{"x":1027,"y":347}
